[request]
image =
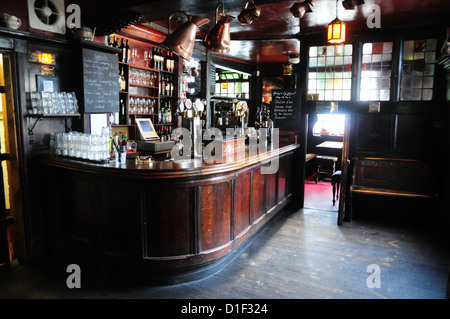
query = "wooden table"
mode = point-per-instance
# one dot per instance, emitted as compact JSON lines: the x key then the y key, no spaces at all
{"x":331,"y":144}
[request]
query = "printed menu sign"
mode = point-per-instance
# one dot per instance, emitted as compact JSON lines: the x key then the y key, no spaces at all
{"x":286,"y":109}
{"x":100,"y":81}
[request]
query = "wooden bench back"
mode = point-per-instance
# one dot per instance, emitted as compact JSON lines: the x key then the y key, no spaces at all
{"x":395,"y":174}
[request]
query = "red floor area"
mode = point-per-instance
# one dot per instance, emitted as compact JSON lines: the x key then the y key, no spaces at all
{"x":320,"y":195}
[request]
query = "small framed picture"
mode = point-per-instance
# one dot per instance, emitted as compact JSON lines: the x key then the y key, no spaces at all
{"x":47,"y":83}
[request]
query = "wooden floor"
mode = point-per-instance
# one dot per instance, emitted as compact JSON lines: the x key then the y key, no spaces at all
{"x":300,"y":255}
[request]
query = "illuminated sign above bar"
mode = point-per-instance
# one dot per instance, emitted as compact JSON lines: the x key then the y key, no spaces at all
{"x":41,"y":57}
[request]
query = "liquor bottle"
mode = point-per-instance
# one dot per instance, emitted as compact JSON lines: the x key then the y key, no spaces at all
{"x":120,"y":78}
{"x":163,"y":85}
{"x":122,"y":118}
{"x":161,"y":59}
{"x":169,"y":113}
{"x":115,"y":43}
{"x":172,"y":66}
{"x":170,"y":86}
{"x":167,"y":61}
{"x":121,"y":46}
{"x":156,"y":60}
{"x":159,"y":115}
{"x":128,"y":52}
{"x":163,"y":136}
{"x":123,"y":82}
{"x":153,"y":58}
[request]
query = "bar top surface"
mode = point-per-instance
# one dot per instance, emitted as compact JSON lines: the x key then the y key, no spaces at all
{"x":170,"y":168}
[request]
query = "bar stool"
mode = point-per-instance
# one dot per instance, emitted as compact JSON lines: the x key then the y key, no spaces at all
{"x":326,"y":165}
{"x":336,"y":181}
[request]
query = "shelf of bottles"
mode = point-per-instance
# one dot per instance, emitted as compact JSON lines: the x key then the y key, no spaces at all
{"x":149,"y":83}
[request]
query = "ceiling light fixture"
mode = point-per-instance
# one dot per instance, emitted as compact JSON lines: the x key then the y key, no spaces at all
{"x":249,"y":13}
{"x":299,"y":9}
{"x":336,"y":29}
{"x":351,"y":4}
{"x":182,"y":40}
{"x":294,"y":59}
{"x":218,"y":39}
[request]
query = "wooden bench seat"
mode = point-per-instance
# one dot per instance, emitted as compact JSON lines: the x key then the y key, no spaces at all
{"x":310,"y":156}
{"x":390,"y":177}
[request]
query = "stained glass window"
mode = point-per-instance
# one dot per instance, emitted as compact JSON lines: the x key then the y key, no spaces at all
{"x":330,"y":72}
{"x":376,"y":71}
{"x":417,"y":70}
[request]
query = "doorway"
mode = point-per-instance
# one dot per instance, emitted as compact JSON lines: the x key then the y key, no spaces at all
{"x":12,"y":241}
{"x":326,"y":144}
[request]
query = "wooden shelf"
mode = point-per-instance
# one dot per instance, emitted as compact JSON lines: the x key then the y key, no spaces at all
{"x":52,"y":115}
{"x":144,"y":86}
{"x":143,"y":96}
{"x":122,"y":125}
{"x":134,"y":66}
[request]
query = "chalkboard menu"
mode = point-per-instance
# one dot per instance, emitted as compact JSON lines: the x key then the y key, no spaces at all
{"x":100,"y":81}
{"x":286,"y":109}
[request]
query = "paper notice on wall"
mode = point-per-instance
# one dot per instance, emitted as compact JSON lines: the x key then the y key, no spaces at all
{"x":98,"y":121}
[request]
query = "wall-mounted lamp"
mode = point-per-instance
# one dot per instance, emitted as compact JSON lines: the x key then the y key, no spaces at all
{"x":299,"y":9}
{"x":182,"y":40}
{"x":336,"y":30}
{"x":249,"y":13}
{"x":287,"y":69}
{"x":351,"y":4}
{"x":218,"y":39}
{"x":194,"y":72}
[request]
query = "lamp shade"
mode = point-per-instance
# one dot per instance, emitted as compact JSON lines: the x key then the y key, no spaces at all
{"x":351,"y":4}
{"x":182,"y":40}
{"x":218,"y":39}
{"x":336,"y":32}
{"x":299,"y":9}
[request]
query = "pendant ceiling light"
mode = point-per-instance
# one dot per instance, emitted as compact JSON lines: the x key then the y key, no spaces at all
{"x":299,"y":9}
{"x":336,"y":30}
{"x":182,"y":40}
{"x":218,"y":39}
{"x":250,"y":13}
{"x":351,"y":4}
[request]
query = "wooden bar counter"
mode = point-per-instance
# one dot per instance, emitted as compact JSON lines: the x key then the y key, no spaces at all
{"x":162,"y":221}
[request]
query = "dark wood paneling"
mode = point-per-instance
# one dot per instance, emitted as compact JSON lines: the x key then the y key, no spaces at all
{"x":271,"y":191}
{"x":82,"y":217}
{"x":215,"y":215}
{"x":242,"y":192}
{"x":374,"y":132}
{"x":167,"y":222}
{"x":121,"y":222}
{"x":258,"y":188}
{"x":284,"y":176}
{"x":412,"y":134}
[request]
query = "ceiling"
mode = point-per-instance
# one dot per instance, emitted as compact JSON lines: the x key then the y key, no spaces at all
{"x":274,"y":35}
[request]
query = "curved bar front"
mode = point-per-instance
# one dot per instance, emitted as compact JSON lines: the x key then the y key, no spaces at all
{"x":165,"y":221}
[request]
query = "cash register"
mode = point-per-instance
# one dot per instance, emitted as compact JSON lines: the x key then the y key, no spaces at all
{"x":149,"y":141}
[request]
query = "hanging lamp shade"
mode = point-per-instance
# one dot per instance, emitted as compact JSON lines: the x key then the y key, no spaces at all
{"x":182,"y":40}
{"x":351,"y":4}
{"x":336,"y":32}
{"x":218,"y":39}
{"x":299,"y":9}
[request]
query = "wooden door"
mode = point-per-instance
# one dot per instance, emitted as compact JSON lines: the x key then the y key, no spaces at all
{"x":345,"y":171}
{"x":11,"y":153}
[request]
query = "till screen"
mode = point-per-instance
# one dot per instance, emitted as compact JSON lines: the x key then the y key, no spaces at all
{"x":146,"y":127}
